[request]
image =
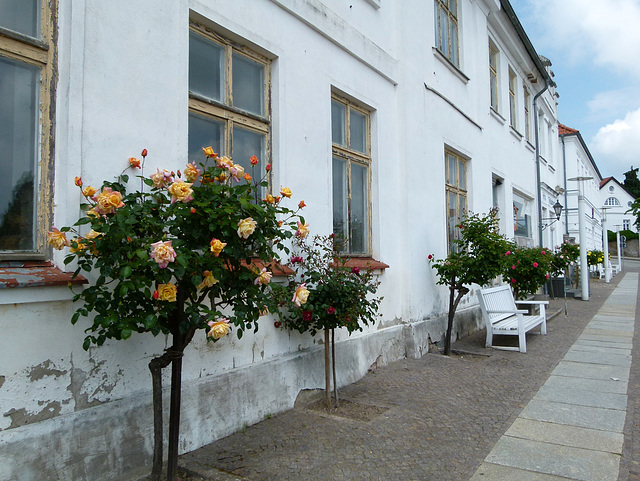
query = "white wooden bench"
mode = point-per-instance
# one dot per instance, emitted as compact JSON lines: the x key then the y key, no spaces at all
{"x":502,"y":317}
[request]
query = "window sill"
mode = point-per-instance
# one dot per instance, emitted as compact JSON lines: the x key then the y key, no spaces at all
{"x":449,"y":64}
{"x":278,"y":270}
{"x":46,"y":283}
{"x":368,"y":263}
{"x":497,"y":116}
{"x":515,"y":133}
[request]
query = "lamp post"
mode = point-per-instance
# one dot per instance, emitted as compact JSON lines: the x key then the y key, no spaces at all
{"x":619,"y":246}
{"x":605,"y":242}
{"x":584,"y":266}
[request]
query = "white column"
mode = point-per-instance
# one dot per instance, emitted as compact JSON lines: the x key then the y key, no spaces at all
{"x":619,"y":248}
{"x":605,"y":241}
{"x":584,"y":266}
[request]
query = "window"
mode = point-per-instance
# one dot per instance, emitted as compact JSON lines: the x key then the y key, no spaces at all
{"x":456,"y":191}
{"x":527,"y":120}
{"x":228,"y":100}
{"x":513,"y":112}
{"x":626,"y":224}
{"x":493,"y":75}
{"x":351,"y":166}
{"x":612,"y":201}
{"x":446,"y":27}
{"x":611,"y":188}
{"x":27,"y":86}
{"x":521,"y":216}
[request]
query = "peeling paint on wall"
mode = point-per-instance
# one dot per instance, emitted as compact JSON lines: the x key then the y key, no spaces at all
{"x":20,"y":417}
{"x":44,"y":369}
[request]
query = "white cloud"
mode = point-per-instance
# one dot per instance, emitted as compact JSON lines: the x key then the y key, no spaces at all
{"x":612,"y":103}
{"x":618,"y":144}
{"x":603,"y":31}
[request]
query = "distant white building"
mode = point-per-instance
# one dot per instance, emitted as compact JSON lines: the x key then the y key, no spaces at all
{"x":617,"y":201}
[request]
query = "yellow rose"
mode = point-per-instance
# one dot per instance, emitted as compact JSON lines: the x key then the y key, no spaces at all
{"x":167,"y":292}
{"x":246,"y":227}
{"x":216,"y":246}
{"x":264,"y":277}
{"x":80,"y":245}
{"x":108,"y":201}
{"x":191,"y":172}
{"x":180,"y":191}
{"x":301,"y":295}
{"x":218,"y":329}
{"x":224,"y":162}
{"x":208,"y":151}
{"x":57,"y":239}
{"x":88,"y":191}
{"x":285,"y":192}
{"x":92,"y":234}
{"x":208,"y":280}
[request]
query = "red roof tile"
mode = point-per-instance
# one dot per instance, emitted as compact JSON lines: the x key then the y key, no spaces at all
{"x":564,"y":130}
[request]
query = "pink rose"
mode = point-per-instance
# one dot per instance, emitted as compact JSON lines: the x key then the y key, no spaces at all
{"x":163,"y":253}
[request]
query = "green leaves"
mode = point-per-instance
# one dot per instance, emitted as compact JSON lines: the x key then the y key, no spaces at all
{"x":125,"y":296}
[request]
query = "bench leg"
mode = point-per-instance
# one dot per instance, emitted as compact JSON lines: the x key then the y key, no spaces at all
{"x":489,"y":337}
{"x":522,"y":340}
{"x":543,"y":327}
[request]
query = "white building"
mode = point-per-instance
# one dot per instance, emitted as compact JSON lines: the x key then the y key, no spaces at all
{"x":579,"y":164}
{"x":617,"y":201}
{"x":444,"y":97}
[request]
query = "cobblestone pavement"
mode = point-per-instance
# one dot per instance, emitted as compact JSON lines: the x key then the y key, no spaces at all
{"x":439,"y":418}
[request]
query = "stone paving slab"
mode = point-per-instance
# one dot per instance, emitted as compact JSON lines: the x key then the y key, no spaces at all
{"x":614,"y":347}
{"x":582,"y":397}
{"x":591,"y":371}
{"x":599,"y":358}
{"x":614,"y":326}
{"x":573,"y":463}
{"x":565,"y":435}
{"x":621,"y":351}
{"x":496,"y":472}
{"x":606,"y":334}
{"x":597,"y":385}
{"x":574,"y":415}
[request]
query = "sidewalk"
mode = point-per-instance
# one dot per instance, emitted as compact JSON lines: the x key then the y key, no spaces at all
{"x":470,"y":416}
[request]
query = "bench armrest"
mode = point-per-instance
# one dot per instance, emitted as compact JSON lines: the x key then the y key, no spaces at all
{"x":532,"y":302}
{"x":507,"y":311}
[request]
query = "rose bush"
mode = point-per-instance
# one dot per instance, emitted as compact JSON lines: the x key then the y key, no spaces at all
{"x":527,"y":269}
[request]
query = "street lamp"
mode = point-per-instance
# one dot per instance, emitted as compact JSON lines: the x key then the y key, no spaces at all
{"x":584,"y":266}
{"x":557,"y":209}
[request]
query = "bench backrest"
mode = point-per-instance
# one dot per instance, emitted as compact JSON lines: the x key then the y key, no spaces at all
{"x":496,"y":298}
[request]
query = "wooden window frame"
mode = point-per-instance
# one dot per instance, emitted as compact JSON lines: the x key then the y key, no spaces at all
{"x":442,"y":8}
{"x":224,"y":111}
{"x":363,"y":159}
{"x":513,"y":99}
{"x":42,"y":53}
{"x":527,"y":117}
{"x":458,"y":190}
{"x":494,"y":100}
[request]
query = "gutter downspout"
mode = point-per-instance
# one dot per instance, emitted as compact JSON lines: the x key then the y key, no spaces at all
{"x":566,"y":195}
{"x":535,"y":111}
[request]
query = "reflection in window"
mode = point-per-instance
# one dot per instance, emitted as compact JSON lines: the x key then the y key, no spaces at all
{"x":456,"y":188}
{"x":228,"y":112}
{"x":521,"y":216}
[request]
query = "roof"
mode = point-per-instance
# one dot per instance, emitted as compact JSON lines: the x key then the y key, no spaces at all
{"x":564,"y":130}
{"x":609,"y":179}
{"x":511,"y":14}
{"x":604,"y":181}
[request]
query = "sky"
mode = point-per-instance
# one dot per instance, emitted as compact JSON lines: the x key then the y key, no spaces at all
{"x":594,"y":47}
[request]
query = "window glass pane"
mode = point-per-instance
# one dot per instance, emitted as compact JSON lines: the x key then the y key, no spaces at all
{"x":359,"y":208}
{"x":444,"y":37}
{"x":358,"y":132}
{"x":451,"y":170}
{"x":339,"y":178}
{"x":206,"y":68}
{"x":452,"y":7}
{"x":453,"y":35}
{"x":338,"y":123}
{"x":462,"y":175}
{"x":248,"y":84}
{"x":204,"y":132}
{"x":19,"y":84}
{"x":436,"y":14}
{"x":22,"y":16}
{"x":245,"y":144}
{"x":452,"y":207}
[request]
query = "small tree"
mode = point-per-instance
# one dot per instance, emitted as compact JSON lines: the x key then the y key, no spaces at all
{"x":325,"y":294}
{"x":479,"y":255}
{"x":175,"y":257}
{"x":527,"y":269}
{"x":631,"y":182}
